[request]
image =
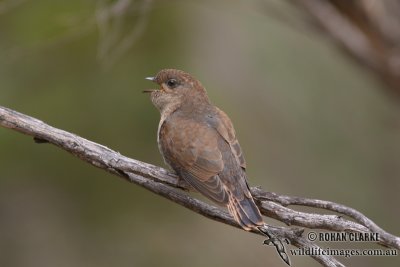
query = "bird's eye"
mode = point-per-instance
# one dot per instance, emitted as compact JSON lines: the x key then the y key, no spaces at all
{"x":172,"y":83}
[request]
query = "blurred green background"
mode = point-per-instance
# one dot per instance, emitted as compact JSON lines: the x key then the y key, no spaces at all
{"x":310,"y":121}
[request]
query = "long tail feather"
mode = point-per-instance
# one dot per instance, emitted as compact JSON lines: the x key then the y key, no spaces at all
{"x":245,"y":212}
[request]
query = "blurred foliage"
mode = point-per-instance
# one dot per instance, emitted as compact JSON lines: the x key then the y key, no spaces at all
{"x":311,"y":123}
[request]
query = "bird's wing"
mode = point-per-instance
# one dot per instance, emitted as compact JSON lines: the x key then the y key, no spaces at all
{"x":225,"y":128}
{"x":241,"y":204}
{"x":191,"y":149}
{"x":204,"y":154}
{"x":233,"y":157}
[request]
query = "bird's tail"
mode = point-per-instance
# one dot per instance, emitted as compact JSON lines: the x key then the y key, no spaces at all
{"x":245,"y":212}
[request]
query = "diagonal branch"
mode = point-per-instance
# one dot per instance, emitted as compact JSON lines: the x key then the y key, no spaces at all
{"x":166,"y":184}
{"x":366,"y":30}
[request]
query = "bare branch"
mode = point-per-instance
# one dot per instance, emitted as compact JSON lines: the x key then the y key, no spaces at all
{"x":166,"y":184}
{"x":328,"y":222}
{"x":366,"y":30}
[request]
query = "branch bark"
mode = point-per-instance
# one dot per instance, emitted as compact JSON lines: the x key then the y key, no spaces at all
{"x":166,"y":184}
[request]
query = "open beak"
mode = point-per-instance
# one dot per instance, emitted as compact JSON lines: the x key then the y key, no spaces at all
{"x":149,"y":90}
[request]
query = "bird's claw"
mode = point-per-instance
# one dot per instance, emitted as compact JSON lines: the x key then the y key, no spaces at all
{"x":278,"y":244}
{"x":274,"y":240}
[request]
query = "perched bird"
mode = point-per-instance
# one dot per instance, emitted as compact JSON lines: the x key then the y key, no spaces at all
{"x":198,"y":141}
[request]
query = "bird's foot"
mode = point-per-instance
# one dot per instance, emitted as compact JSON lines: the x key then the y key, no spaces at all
{"x":272,"y":240}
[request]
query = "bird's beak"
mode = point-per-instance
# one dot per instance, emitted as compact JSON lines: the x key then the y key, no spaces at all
{"x":149,"y":90}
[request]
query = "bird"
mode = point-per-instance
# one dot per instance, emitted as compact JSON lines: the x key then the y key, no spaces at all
{"x":198,"y":141}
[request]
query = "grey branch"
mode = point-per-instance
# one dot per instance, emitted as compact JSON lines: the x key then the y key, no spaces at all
{"x":166,"y":184}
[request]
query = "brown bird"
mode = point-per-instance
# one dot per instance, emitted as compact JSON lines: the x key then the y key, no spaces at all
{"x":198,"y":141}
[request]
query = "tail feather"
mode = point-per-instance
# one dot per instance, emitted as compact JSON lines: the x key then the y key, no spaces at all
{"x":248,"y":216}
{"x":245,"y":212}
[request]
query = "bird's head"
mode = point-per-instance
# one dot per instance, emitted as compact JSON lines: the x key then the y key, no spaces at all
{"x":176,"y":88}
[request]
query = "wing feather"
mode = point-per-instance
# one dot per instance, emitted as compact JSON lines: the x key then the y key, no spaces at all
{"x":208,"y":156}
{"x":197,"y":160}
